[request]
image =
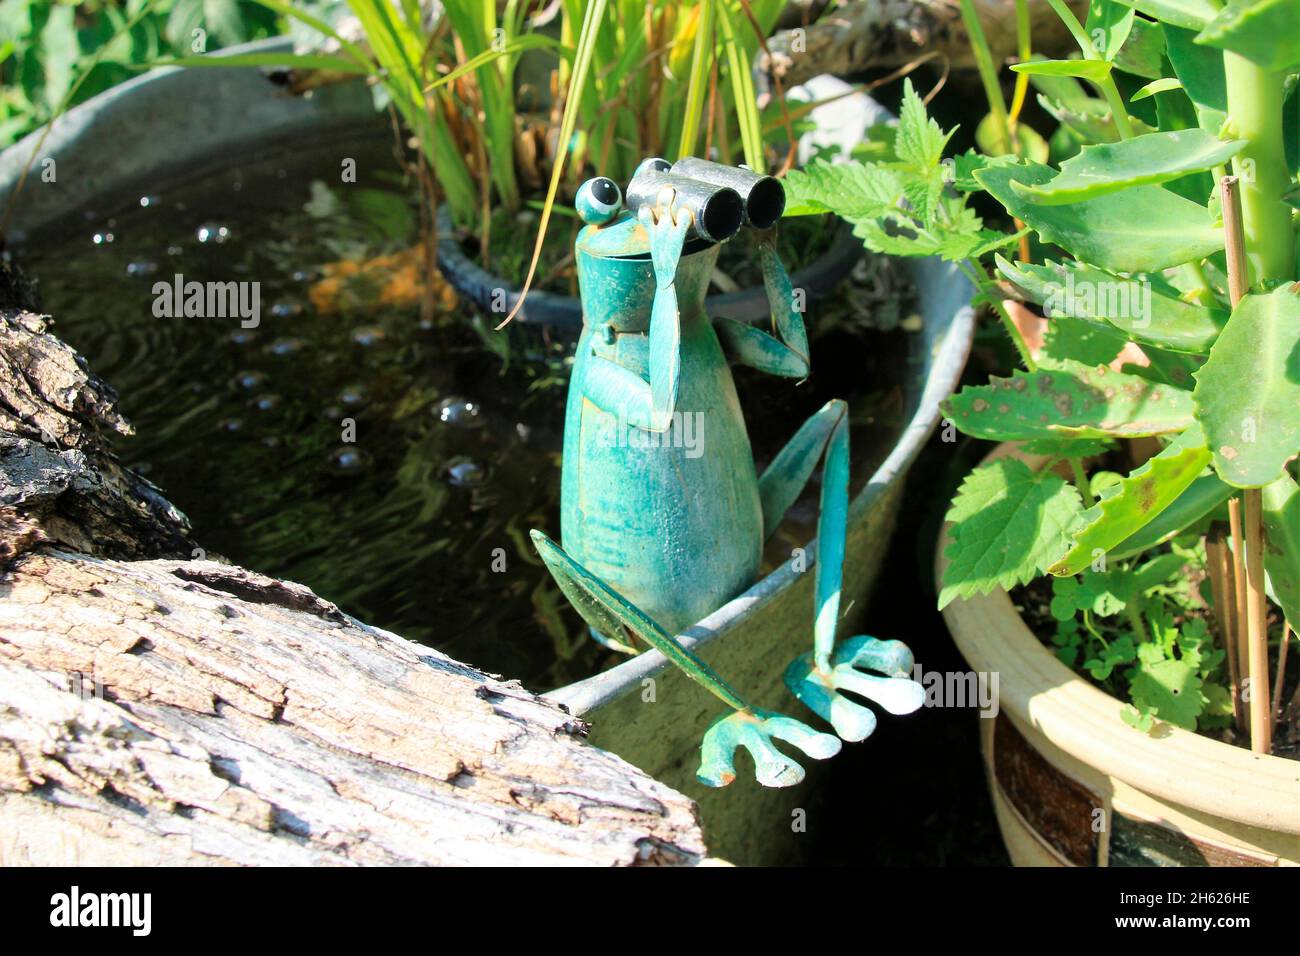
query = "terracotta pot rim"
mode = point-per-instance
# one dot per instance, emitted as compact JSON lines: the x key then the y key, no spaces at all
{"x":1044,"y":694}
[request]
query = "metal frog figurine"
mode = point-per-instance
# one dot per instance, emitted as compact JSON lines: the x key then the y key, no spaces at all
{"x":663,"y":515}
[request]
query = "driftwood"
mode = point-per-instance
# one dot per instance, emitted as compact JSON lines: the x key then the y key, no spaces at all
{"x":887,"y":34}
{"x":157,"y":710}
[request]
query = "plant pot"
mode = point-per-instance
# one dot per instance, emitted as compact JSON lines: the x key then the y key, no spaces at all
{"x":818,"y":279}
{"x":190,"y":120}
{"x":1073,"y":785}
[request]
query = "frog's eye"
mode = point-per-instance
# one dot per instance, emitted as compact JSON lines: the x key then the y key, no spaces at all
{"x":598,"y":201}
{"x":652,"y":165}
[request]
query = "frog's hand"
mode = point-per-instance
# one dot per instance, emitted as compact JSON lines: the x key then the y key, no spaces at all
{"x":889,"y":686}
{"x":755,"y":731}
{"x":785,"y":353}
{"x":620,"y":391}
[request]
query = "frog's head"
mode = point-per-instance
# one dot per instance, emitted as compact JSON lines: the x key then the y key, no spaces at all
{"x":615,"y":275}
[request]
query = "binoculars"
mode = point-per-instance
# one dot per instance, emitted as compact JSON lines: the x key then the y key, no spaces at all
{"x":721,"y":198}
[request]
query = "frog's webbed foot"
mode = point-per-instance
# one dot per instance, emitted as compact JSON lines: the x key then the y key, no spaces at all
{"x":819,"y":687}
{"x":755,"y":730}
{"x":667,"y":227}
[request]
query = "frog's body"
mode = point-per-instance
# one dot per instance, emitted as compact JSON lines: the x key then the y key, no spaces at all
{"x":670,"y":520}
{"x":663,"y":514}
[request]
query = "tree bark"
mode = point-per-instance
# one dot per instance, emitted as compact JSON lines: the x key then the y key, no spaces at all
{"x":156,"y":710}
{"x":886,"y":34}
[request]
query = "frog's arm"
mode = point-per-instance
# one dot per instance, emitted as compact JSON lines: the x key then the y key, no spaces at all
{"x":616,"y":389}
{"x":786,"y":353}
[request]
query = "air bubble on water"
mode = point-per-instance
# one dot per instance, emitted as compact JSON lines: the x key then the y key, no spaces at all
{"x":141,"y":269}
{"x":353,"y":395}
{"x":230,"y":424}
{"x":242,"y":336}
{"x":249,"y":379}
{"x":147,"y":201}
{"x":464,"y":473}
{"x":368,"y":335}
{"x":286,"y":310}
{"x":459,"y":411}
{"x":174,"y":251}
{"x":266,"y":403}
{"x":304,"y":275}
{"x":523,"y":431}
{"x":285,"y":346}
{"x":212,"y":232}
{"x":102,"y":238}
{"x":348,"y":460}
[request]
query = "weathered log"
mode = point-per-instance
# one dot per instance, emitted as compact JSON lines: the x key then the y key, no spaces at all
{"x":167,"y":711}
{"x":886,"y":34}
{"x":246,"y":720}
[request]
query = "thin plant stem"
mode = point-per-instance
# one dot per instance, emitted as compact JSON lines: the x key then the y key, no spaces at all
{"x":988,"y":75}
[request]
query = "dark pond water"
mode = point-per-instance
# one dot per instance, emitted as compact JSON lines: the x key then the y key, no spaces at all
{"x":392,"y":461}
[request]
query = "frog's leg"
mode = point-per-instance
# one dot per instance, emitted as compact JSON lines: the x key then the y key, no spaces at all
{"x":616,"y":389}
{"x":785,"y":353}
{"x":817,"y":678}
{"x":749,"y":727}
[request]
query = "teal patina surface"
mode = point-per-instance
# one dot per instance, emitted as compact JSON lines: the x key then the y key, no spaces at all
{"x":663,"y":513}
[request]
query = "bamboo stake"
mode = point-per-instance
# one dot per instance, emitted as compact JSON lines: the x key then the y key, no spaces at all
{"x":1281,"y":673}
{"x":1239,"y":630}
{"x":1252,"y":554}
{"x":1219,"y":565}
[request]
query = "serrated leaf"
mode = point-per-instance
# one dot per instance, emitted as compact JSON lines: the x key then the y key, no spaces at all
{"x":1070,"y":400}
{"x":850,"y":190}
{"x":1108,"y":26}
{"x":1266,"y":32}
{"x":1172,"y":688}
{"x":1247,"y":394}
{"x":1144,"y":229}
{"x":1199,"y":498}
{"x":1141,"y":496}
{"x":1094,"y":70}
{"x":1143,"y":160}
{"x":920,"y":141}
{"x":1134,"y":306}
{"x":1189,"y":14}
{"x":1281,"y":514}
{"x":1008,"y":522}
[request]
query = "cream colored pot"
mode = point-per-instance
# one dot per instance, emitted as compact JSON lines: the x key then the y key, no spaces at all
{"x":1073,"y":785}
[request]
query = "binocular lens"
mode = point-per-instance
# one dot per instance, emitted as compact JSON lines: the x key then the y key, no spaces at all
{"x":763,"y":196}
{"x":718,"y":209}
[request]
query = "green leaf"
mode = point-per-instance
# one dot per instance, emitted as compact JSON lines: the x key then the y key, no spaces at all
{"x":1264,"y":31}
{"x":1031,"y":144}
{"x":920,"y":141}
{"x":1281,"y":514}
{"x":1008,"y":522}
{"x":1189,"y":14}
{"x":1162,"y":85}
{"x":1143,"y":160}
{"x":1066,"y":447}
{"x":1143,"y":52}
{"x":1071,"y":400}
{"x":302,"y":61}
{"x":850,"y":190}
{"x":1136,"y":307}
{"x":1172,"y":688}
{"x":1108,"y":25}
{"x":1144,"y":229}
{"x":1247,"y":394}
{"x":1200,"y":498}
{"x":1140,"y":497}
{"x":1094,"y":70}
{"x":1200,"y":70}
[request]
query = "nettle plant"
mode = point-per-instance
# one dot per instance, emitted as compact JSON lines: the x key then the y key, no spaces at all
{"x":1153,"y":332}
